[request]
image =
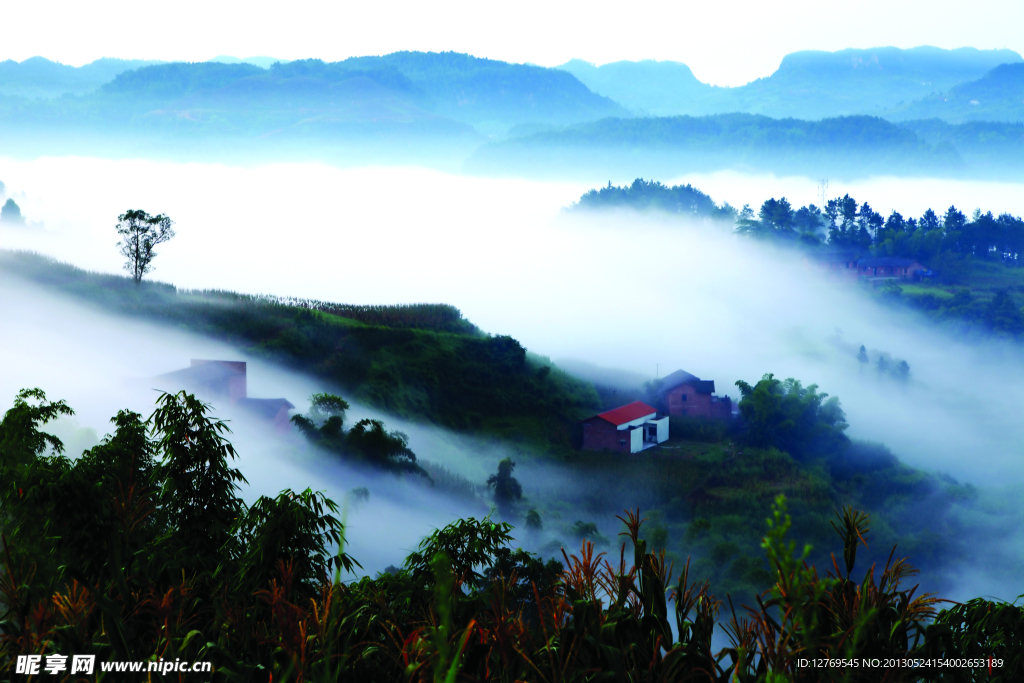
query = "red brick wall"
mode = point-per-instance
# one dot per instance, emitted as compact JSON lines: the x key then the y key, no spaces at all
{"x":599,"y":435}
{"x":722,"y":410}
{"x":904,"y":272}
{"x":697,"y":405}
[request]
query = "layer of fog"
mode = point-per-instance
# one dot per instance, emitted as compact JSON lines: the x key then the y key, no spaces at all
{"x":619,"y":291}
{"x":100,"y":364}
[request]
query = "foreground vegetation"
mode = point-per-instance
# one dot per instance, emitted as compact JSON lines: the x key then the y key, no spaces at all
{"x":142,"y":550}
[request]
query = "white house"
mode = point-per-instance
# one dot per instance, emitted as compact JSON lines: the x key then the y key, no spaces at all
{"x":628,"y":429}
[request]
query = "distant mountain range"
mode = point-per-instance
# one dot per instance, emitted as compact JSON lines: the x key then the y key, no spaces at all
{"x":924,"y":82}
{"x":401,"y":93}
{"x":879,"y":110}
{"x":39,"y":77}
{"x":807,"y":85}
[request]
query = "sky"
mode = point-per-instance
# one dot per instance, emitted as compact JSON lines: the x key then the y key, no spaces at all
{"x":729,"y":42}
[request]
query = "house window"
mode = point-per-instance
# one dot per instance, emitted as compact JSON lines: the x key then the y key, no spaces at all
{"x":682,"y":397}
{"x":622,"y":442}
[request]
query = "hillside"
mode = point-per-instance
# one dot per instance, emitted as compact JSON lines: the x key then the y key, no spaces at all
{"x":421,"y":361}
{"x":996,"y":96}
{"x":844,"y":146}
{"x":975,"y":262}
{"x":295,"y":100}
{"x":494,"y":93}
{"x":706,"y":491}
{"x":452,"y":85}
{"x":704,"y":494}
{"x":819,"y":84}
{"x":242,"y":102}
{"x":989,"y":147}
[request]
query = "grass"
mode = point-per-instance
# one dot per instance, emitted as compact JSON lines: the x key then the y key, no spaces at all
{"x":986,"y":278}
{"x":990,"y":276}
{"x":942,"y":292}
{"x":987,"y":301}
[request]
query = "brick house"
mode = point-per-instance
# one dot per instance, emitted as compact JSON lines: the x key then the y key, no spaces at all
{"x":684,"y":394}
{"x":889,"y":267}
{"x":227,"y":379}
{"x":628,"y":429}
{"x":835,"y":264}
{"x":219,"y":378}
{"x":274,"y":410}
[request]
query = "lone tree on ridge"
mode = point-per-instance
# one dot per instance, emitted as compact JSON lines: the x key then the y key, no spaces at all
{"x":140,"y":233}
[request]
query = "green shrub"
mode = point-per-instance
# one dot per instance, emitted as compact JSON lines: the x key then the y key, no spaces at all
{"x":699,"y":429}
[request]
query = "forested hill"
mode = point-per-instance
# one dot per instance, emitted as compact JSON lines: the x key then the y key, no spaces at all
{"x":976,"y":262}
{"x":992,"y":148}
{"x":643,"y":194}
{"x":479,"y":91}
{"x":845,"y":146}
{"x":996,"y":96}
{"x":420,"y":361}
{"x":411,"y":92}
{"x":815,"y":84}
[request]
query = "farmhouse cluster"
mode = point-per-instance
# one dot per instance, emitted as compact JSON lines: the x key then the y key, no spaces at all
{"x":630,"y":428}
{"x":638,"y":426}
{"x":846,"y":266}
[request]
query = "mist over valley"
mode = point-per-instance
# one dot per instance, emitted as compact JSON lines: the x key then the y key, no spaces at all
{"x":548,"y":278}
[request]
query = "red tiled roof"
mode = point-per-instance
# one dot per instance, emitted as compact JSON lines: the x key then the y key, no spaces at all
{"x":627,"y":413}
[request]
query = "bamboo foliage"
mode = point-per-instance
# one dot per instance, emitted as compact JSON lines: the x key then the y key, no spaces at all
{"x":262,"y":603}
